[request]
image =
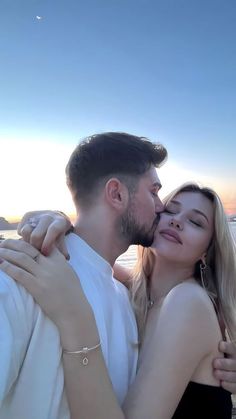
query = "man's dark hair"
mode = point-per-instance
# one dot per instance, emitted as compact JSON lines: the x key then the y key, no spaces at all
{"x":111,"y":154}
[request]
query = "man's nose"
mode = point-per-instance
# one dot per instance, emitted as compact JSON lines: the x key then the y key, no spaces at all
{"x":159,"y":207}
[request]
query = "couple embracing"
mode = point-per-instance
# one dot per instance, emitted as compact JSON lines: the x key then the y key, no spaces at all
{"x":76,"y":342}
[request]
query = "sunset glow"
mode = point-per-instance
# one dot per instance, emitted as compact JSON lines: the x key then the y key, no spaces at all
{"x":166,"y":72}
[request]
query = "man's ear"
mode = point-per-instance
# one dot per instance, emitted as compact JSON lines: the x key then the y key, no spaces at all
{"x":117,"y":194}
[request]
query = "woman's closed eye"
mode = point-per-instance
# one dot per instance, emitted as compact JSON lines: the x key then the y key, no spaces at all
{"x":196,"y":223}
{"x":169,"y":211}
{"x":191,"y":220}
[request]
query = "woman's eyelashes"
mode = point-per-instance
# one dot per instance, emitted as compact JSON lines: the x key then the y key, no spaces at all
{"x":168,"y":211}
{"x":171,"y":211}
{"x":196,"y":223}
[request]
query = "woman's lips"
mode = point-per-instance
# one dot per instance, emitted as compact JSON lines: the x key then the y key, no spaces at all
{"x":171,"y":236}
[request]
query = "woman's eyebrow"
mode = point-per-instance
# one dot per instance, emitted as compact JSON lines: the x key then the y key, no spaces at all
{"x":194,"y":209}
{"x":201,"y":213}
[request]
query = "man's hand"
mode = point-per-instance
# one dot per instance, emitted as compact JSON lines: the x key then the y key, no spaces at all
{"x":225,"y":368}
{"x":46,"y":231}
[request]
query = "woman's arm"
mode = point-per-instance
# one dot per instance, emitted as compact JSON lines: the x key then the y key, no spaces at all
{"x":50,"y":230}
{"x":56,"y":288}
{"x":179,"y":342}
{"x":88,"y":387}
{"x":177,"y":346}
{"x":169,"y":359}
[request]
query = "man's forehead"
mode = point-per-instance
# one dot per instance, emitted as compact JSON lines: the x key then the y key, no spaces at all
{"x":152,"y":178}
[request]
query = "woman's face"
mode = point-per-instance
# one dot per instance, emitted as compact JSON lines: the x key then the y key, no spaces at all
{"x":185,"y":228}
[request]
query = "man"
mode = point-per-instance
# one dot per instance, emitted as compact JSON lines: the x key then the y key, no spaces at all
{"x":115,"y":186}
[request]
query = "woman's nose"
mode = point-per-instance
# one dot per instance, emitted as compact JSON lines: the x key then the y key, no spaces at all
{"x":176,"y":224}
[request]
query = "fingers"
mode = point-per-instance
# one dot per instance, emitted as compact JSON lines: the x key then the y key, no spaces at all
{"x":25,"y":232}
{"x":23,"y":222}
{"x":16,"y":273}
{"x":24,"y":278}
{"x":55,"y":233}
{"x":19,"y":246}
{"x":35,"y":234}
{"x":38,"y":233}
{"x":225,"y":364}
{"x":228,"y":348}
{"x":48,"y":230}
{"x":19,"y":259}
{"x":225,"y":368}
{"x":61,"y":245}
{"x":26,"y":218}
{"x":228,"y":376}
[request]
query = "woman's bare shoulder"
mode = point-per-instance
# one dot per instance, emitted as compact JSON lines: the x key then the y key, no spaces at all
{"x":187,"y":291}
{"x":191,"y":302}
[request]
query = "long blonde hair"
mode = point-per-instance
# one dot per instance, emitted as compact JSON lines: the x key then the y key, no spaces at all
{"x":220,"y":276}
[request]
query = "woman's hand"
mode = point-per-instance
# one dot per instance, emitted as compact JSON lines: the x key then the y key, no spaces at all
{"x":44,"y":230}
{"x":56,"y":288}
{"x":225,"y":367}
{"x":52,"y":283}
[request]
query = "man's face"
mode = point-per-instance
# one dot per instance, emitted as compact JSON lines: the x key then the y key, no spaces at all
{"x":139,"y":221}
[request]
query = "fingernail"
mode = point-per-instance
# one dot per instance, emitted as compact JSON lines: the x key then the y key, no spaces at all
{"x":45,"y":251}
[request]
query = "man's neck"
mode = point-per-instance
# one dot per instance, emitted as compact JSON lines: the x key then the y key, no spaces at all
{"x":102,"y":238}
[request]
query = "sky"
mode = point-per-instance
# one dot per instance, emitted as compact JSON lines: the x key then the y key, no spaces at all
{"x":161,"y":69}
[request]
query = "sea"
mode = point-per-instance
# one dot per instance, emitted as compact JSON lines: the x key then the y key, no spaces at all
{"x":127,"y":259}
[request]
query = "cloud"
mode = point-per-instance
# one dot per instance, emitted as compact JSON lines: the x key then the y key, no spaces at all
{"x":39,"y":17}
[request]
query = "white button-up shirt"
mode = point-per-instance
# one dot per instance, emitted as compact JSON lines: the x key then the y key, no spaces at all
{"x":31,"y":372}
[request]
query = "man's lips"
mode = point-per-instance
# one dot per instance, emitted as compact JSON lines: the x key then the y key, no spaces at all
{"x":171,"y":235}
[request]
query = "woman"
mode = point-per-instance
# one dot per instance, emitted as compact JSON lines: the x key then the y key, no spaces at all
{"x":183,"y":293}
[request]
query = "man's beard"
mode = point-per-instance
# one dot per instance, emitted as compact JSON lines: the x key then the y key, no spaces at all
{"x":135,"y":233}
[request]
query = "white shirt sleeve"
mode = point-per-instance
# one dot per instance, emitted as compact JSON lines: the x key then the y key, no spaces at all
{"x":17,"y":314}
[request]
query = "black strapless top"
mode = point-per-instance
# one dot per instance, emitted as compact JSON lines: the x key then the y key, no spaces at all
{"x":201,"y":401}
